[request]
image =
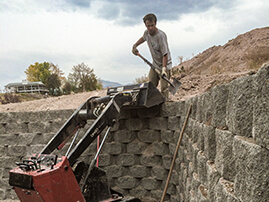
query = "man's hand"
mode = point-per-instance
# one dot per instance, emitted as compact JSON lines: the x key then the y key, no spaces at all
{"x":164,"y":69}
{"x":134,"y":50}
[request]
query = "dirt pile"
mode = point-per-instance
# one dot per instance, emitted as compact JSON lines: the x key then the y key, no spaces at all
{"x":220,"y":64}
{"x":217,"y":65}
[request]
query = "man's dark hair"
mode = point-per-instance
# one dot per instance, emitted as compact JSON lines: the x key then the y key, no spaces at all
{"x":150,"y":17}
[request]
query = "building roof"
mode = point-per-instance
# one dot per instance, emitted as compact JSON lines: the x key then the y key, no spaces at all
{"x":24,"y":83}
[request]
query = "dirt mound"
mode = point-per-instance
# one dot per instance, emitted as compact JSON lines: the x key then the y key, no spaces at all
{"x":241,"y":56}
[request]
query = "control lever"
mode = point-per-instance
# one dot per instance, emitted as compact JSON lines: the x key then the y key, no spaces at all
{"x":93,"y":162}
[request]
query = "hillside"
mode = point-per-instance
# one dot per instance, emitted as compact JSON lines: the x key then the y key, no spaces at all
{"x":217,"y":65}
{"x":220,"y":64}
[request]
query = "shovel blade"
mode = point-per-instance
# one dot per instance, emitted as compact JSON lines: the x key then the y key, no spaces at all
{"x":174,"y":88}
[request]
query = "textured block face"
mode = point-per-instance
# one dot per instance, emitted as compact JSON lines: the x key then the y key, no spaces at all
{"x":219,"y":97}
{"x":209,"y":142}
{"x":224,"y":154}
{"x":239,"y":111}
{"x":261,"y":109}
{"x":252,"y":160}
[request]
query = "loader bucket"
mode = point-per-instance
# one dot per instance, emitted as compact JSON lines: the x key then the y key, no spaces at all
{"x":147,"y":95}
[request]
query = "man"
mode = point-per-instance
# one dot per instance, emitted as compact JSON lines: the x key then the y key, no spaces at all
{"x":158,"y":46}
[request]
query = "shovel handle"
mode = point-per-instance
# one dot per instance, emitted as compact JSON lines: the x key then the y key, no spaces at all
{"x":155,"y":69}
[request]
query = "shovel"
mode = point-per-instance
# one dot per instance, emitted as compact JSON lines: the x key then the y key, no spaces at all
{"x":173,"y":86}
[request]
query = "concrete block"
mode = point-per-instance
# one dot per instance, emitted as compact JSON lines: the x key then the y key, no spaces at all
{"x":37,"y":127}
{"x":197,"y":131}
{"x":159,"y":173}
{"x":201,"y":167}
{"x":172,"y":149}
{"x":192,"y":101}
{"x":9,"y":139}
{"x":26,"y":138}
{"x":225,"y":161}
{"x":158,"y":123}
{"x":27,"y":116}
{"x":174,"y":123}
{"x":160,"y":148}
{"x":167,"y":160}
{"x":53,"y":127}
{"x":167,"y":136}
{"x":149,"y":112}
{"x":16,"y":150}
{"x":9,"y":162}
{"x":190,"y":170}
{"x":2,"y":128}
{"x":138,"y":171}
{"x":150,"y":160}
{"x":139,"y":192}
{"x":224,"y":191}
{"x":200,"y":136}
{"x":2,"y":194}
{"x":12,"y":127}
{"x":126,"y":159}
{"x":202,"y":193}
{"x":55,"y":116}
{"x":114,"y":148}
{"x":127,"y":182}
{"x":10,"y":194}
{"x":171,"y":190}
{"x":104,"y":160}
{"x":174,"y":177}
{"x":209,"y":142}
{"x":149,"y":136}
{"x":124,"y":136}
{"x":4,"y":117}
{"x":149,"y":183}
{"x":136,"y":147}
{"x":239,"y":110}
{"x":36,"y":138}
{"x":195,"y":183}
{"x":128,"y":113}
{"x":47,"y":137}
{"x":172,"y":109}
{"x":3,"y":150}
{"x":219,"y":102}
{"x":204,"y":107}
{"x":156,"y":195}
{"x":114,"y":171}
{"x":212,"y":179}
{"x":200,"y":109}
{"x":134,"y":124}
{"x":261,"y":109}
{"x":34,"y":149}
{"x":194,"y":154}
{"x":251,"y":180}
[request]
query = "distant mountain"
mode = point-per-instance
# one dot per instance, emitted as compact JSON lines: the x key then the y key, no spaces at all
{"x":107,"y":84}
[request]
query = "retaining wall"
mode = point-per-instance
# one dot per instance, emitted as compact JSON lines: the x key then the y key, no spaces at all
{"x":224,"y":154}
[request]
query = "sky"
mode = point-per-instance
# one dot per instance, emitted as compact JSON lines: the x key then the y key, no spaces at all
{"x":101,"y":33}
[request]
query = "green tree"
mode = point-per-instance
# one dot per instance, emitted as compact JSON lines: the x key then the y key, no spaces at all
{"x":38,"y":72}
{"x":67,"y":87}
{"x":55,"y":69}
{"x":83,"y":79}
{"x":54,"y":84}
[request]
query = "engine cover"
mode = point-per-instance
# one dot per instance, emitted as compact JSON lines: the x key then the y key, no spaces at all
{"x":45,"y":178}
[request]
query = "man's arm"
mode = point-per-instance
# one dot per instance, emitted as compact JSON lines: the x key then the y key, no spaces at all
{"x":164,"y":69}
{"x":140,"y":41}
{"x":165,"y":59}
